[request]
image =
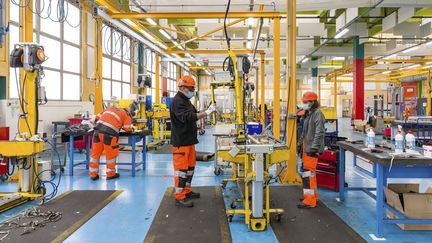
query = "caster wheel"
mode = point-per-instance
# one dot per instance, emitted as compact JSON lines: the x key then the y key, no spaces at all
{"x":217,"y":171}
{"x":233,"y":205}
{"x":41,"y":201}
{"x":62,"y":169}
{"x":223,"y":185}
{"x":4,"y":177}
{"x":230,"y":217}
{"x":278,"y":217}
{"x":201,"y":132}
{"x":346,"y":184}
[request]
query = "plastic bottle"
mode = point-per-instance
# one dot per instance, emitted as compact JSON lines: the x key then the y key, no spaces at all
{"x":399,"y":142}
{"x":410,"y":140}
{"x":370,"y":139}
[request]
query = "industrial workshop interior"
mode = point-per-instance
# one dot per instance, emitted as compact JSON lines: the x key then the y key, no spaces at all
{"x":215,"y":121}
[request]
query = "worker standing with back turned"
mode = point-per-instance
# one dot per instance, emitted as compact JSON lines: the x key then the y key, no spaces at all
{"x":309,"y":146}
{"x":183,"y":138}
{"x":105,"y":137}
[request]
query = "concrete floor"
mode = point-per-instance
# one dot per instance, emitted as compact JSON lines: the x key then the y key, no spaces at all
{"x":129,"y":216}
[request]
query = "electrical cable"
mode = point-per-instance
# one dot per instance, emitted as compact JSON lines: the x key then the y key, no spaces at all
{"x":228,"y":40}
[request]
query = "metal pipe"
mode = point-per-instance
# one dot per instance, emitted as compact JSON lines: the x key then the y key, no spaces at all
{"x":346,"y":26}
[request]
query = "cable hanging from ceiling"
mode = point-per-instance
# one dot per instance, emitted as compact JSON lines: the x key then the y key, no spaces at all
{"x":54,"y":10}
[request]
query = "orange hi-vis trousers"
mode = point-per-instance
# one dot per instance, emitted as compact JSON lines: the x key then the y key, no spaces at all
{"x":184,"y":159}
{"x":110,"y":144}
{"x":310,"y":193}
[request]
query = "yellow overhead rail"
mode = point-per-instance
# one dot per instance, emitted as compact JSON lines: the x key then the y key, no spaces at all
{"x":195,"y":15}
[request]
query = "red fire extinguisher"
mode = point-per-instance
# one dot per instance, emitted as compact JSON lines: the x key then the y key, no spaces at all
{"x":4,"y":166}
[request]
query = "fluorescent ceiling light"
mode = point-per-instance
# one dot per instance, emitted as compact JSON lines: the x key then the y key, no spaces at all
{"x":342,"y":33}
{"x":391,"y":56}
{"x":428,"y":63}
{"x":305,"y":60}
{"x":338,"y":58}
{"x":410,"y":67}
{"x":199,"y":64}
{"x":250,"y":33}
{"x":426,"y":67}
{"x":177,"y":44}
{"x":164,"y":33}
{"x":411,"y":49}
{"x":188,"y":55}
{"x":250,"y":21}
{"x":249,"y":45}
{"x":151,"y":21}
{"x":386,"y":72}
{"x":429,"y":43}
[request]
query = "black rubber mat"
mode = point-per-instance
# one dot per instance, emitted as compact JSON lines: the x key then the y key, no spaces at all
{"x":76,"y":207}
{"x":205,"y":222}
{"x":200,"y":156}
{"x":319,"y":224}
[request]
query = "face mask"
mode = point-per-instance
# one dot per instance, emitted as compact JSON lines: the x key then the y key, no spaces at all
{"x":305,"y":106}
{"x":190,"y":94}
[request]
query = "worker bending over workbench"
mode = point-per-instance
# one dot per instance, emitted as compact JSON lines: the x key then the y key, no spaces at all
{"x":183,"y":138}
{"x":309,"y":146}
{"x":106,"y":137}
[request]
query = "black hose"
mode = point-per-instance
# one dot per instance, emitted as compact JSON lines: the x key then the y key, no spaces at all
{"x":225,"y":28}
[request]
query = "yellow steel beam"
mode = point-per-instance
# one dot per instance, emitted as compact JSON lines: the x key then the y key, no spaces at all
{"x":213,"y":51}
{"x":319,"y":89}
{"x":207,"y":33}
{"x":290,"y":176}
{"x":276,"y":78}
{"x":157,"y":74}
{"x":428,"y":94}
{"x":26,"y":35}
{"x":335,"y":92}
{"x":256,"y":87}
{"x":194,"y":15}
{"x":98,"y":103}
{"x":262,"y":89}
{"x":398,"y":61}
{"x":204,"y":67}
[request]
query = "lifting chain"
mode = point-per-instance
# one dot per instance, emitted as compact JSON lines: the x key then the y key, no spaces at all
{"x":30,"y":226}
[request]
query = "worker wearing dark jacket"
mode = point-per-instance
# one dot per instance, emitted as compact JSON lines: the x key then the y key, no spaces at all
{"x":183,"y":138}
{"x":309,"y":146}
{"x":105,"y":137}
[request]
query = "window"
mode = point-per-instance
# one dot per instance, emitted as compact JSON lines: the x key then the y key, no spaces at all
{"x":116,"y":64}
{"x":172,"y":79}
{"x":61,"y":41}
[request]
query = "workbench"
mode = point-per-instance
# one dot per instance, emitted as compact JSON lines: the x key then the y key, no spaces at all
{"x":133,"y":140}
{"x":384,"y":168}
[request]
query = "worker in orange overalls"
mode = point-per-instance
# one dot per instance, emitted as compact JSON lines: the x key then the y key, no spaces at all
{"x":309,"y":146}
{"x":184,"y":130}
{"x":105,"y":137}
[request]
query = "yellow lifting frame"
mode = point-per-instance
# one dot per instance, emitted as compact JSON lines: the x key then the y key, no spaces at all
{"x":262,"y":89}
{"x":276,"y":79}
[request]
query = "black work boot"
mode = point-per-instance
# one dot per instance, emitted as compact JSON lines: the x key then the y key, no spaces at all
{"x":117,"y":175}
{"x":184,"y":203}
{"x":193,"y":195}
{"x":94,"y":178}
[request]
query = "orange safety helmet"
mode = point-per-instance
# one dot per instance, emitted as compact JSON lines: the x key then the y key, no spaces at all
{"x":309,"y":96}
{"x":186,"y":81}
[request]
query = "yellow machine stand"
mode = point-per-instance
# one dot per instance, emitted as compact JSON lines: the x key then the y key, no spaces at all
{"x":24,"y":151}
{"x":245,"y":172}
{"x":159,"y":115}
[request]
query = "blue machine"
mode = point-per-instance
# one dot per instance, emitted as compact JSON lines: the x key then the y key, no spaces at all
{"x":254,"y":128}
{"x":148,"y":103}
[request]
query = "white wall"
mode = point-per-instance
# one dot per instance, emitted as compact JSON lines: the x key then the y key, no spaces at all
{"x":52,"y":111}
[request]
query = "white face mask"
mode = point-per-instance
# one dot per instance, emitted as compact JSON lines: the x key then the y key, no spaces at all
{"x":305,"y":106}
{"x":190,"y":94}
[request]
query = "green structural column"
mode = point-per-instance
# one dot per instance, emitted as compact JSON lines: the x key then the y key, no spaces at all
{"x":315,"y":79}
{"x":358,"y":81}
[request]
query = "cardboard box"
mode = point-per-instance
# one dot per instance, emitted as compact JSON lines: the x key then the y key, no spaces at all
{"x":407,"y":199}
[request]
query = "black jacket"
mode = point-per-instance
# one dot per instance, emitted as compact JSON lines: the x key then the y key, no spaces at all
{"x":183,"y":121}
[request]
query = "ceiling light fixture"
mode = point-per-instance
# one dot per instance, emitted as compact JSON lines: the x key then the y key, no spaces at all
{"x":250,"y":34}
{"x":250,"y":22}
{"x":342,"y":33}
{"x":410,"y":49}
{"x":390,"y":56}
{"x":249,"y":45}
{"x":386,"y":72}
{"x":164,"y":33}
{"x":151,"y":21}
{"x":305,"y":60}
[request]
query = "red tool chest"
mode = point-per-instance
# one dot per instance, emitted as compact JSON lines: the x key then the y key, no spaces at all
{"x":328,"y":170}
{"x":78,"y":144}
{"x":4,"y":136}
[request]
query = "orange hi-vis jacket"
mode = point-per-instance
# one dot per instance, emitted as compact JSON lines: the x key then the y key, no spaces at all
{"x":112,"y":120}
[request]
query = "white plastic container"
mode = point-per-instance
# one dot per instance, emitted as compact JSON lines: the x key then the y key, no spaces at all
{"x":410,"y":141}
{"x":399,"y":142}
{"x":427,"y":151}
{"x":370,"y":139}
